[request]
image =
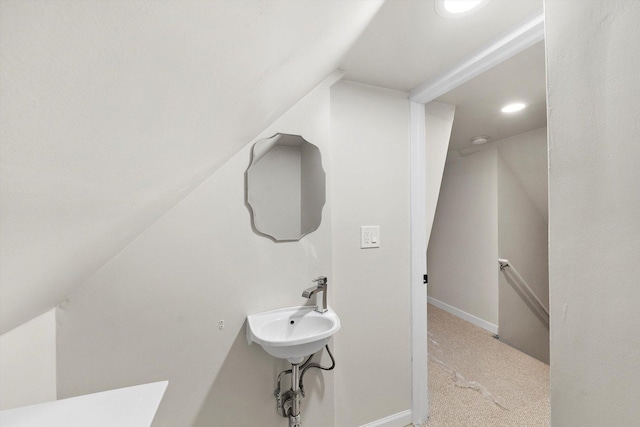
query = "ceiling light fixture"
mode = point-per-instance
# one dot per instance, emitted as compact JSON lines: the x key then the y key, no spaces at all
{"x":512,"y":108}
{"x":458,"y":8}
{"x":480,"y":140}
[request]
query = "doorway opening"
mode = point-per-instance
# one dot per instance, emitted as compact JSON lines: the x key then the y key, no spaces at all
{"x":482,"y":288}
{"x":491,"y":206}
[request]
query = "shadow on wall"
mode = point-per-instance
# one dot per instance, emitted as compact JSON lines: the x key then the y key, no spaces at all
{"x":525,"y":298}
{"x":248,"y":375}
{"x":522,"y":326}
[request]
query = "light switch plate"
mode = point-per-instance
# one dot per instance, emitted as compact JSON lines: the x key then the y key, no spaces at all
{"x":369,"y":236}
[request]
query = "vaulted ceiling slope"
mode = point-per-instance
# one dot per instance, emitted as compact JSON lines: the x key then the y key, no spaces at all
{"x":112,"y":111}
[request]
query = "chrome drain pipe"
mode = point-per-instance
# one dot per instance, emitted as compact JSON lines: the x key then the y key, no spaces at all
{"x":288,"y":403}
{"x":294,"y":412}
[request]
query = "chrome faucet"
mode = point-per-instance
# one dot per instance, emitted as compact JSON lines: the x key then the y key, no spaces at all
{"x":321,"y":304}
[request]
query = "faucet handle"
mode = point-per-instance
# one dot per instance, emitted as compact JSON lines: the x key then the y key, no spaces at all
{"x":322,"y":281}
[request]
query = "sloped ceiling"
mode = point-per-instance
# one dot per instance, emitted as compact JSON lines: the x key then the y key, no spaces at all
{"x":112,"y":111}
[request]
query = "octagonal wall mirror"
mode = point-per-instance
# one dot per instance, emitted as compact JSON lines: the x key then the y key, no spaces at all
{"x":285,"y":187}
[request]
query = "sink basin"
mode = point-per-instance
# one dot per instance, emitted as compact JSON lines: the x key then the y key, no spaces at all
{"x":292,"y":333}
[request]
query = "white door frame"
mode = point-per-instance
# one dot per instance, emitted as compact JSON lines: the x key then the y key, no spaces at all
{"x":521,"y":37}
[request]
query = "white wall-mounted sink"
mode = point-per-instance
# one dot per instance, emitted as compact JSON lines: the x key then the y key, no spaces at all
{"x":292,"y":333}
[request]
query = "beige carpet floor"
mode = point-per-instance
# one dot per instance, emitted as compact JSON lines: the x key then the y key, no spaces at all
{"x":476,"y":380}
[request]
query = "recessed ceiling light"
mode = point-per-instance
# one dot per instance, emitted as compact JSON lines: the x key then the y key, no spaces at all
{"x":458,"y":8}
{"x":512,"y":108}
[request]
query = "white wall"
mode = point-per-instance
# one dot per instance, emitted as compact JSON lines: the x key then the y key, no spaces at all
{"x":526,"y":154}
{"x":152,"y":312}
{"x":463,"y":249}
{"x":370,"y":168}
{"x":28,"y":362}
{"x":438,"y":123}
{"x":594,"y":210}
{"x":485,"y":211}
{"x":522,"y":239}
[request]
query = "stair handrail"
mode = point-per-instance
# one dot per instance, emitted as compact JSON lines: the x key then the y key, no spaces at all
{"x":533,"y":300}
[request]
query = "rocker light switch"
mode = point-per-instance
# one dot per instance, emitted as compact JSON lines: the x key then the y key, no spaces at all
{"x":369,"y":237}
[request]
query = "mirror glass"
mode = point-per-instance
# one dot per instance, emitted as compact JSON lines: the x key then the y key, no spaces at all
{"x":285,"y":187}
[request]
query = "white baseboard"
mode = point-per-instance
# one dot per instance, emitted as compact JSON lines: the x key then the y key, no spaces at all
{"x":401,"y":419}
{"x":464,"y":315}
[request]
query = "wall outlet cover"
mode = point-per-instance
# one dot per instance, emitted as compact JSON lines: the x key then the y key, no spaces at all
{"x":369,"y":236}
